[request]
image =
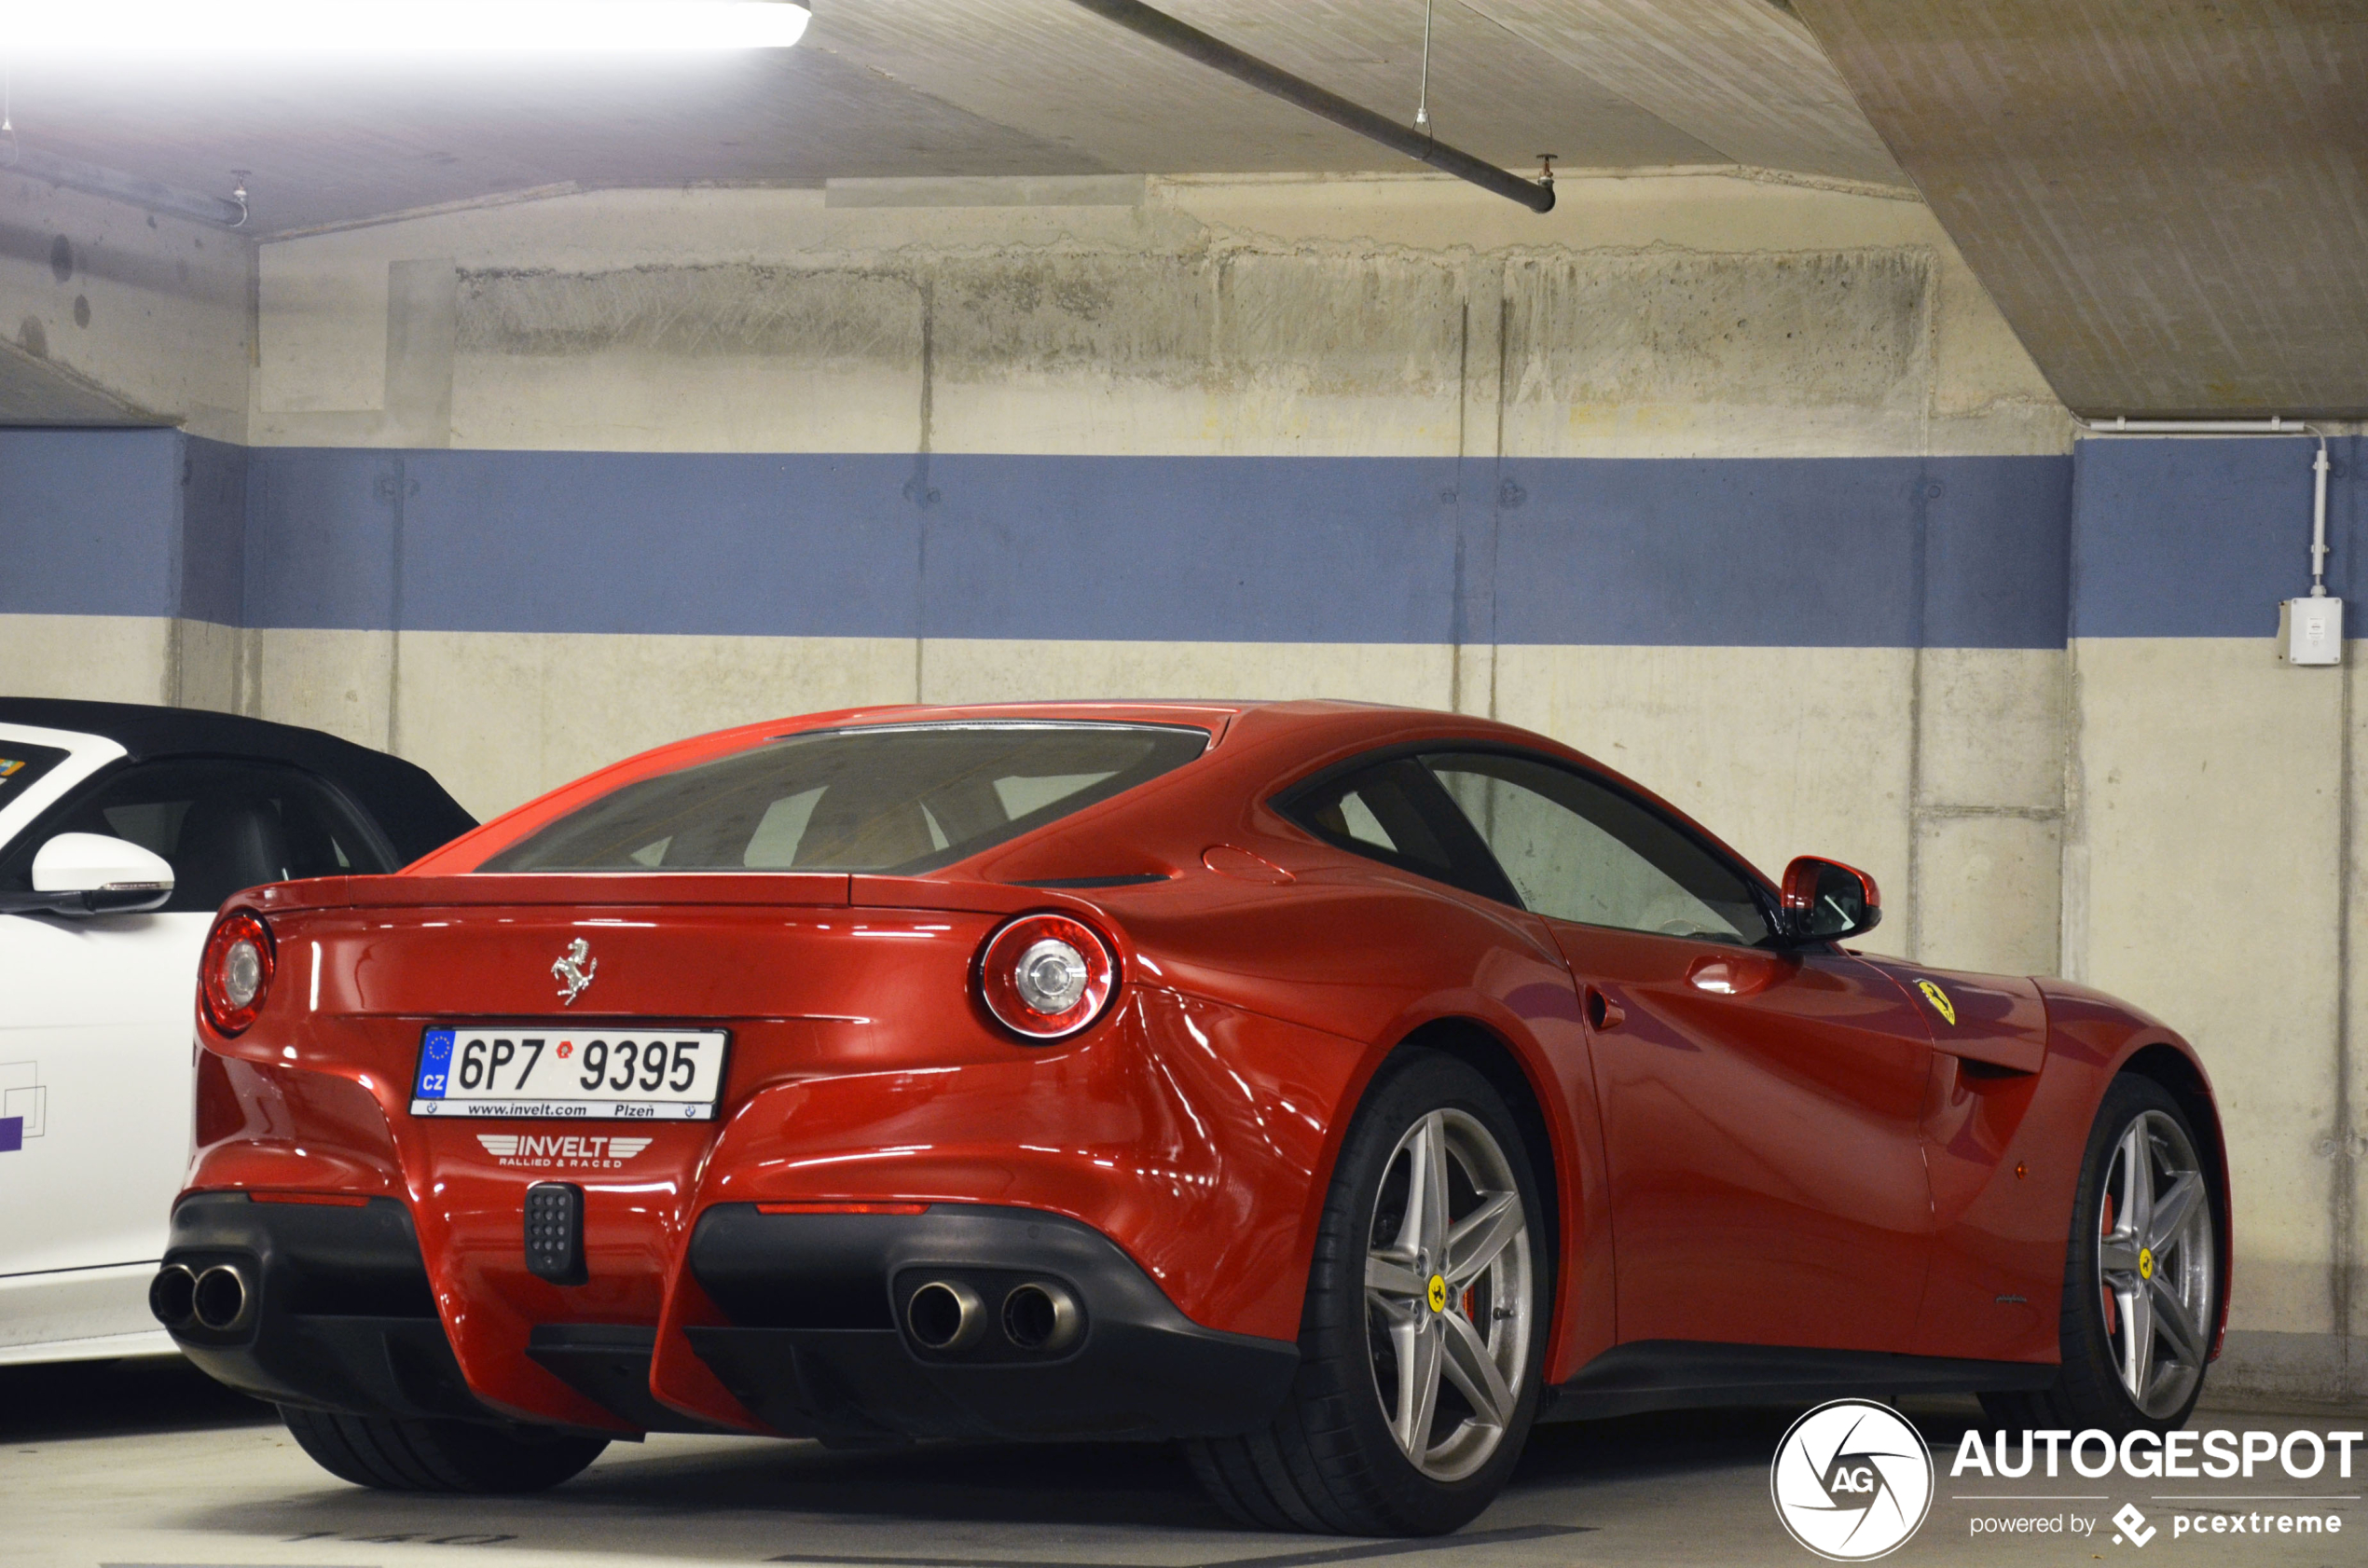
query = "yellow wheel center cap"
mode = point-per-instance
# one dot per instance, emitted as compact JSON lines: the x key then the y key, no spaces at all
{"x":2145,"y":1263}
{"x":1437,"y":1293}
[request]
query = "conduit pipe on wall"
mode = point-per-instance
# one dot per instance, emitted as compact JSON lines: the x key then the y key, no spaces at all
{"x":1165,"y":31}
{"x":2274,"y":425}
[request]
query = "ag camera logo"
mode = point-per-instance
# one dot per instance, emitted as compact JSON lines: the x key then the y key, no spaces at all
{"x":1851,"y":1480}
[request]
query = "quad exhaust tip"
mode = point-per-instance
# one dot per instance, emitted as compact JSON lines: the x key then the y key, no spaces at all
{"x":945,"y":1315}
{"x":216,"y":1297}
{"x":172,"y":1295}
{"x":220,"y":1299}
{"x":1040,"y":1315}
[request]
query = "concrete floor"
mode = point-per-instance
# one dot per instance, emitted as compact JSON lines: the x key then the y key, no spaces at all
{"x":146,"y":1462}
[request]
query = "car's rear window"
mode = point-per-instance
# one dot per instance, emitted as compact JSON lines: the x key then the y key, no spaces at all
{"x":901,"y":799}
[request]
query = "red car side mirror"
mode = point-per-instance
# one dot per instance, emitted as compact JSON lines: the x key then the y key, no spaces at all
{"x":1825,"y":901}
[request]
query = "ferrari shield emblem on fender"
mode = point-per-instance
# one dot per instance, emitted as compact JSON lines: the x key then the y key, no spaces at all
{"x":1933,"y":993}
{"x":574,"y":971}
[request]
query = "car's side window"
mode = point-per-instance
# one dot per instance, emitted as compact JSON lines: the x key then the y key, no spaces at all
{"x":1393,"y":812}
{"x":1577,"y":850}
{"x":222,"y":825}
{"x":1377,"y":808}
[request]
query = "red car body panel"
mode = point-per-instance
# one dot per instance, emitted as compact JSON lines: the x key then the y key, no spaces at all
{"x":1749,"y":1148}
{"x":1768,"y":1183}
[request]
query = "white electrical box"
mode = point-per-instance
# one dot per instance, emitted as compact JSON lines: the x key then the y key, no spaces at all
{"x":2310,"y":631}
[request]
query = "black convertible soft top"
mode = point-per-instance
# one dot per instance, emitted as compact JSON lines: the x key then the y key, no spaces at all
{"x":409,"y":805}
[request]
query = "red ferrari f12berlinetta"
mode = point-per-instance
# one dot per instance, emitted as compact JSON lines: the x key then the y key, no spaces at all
{"x":1339,"y":1090}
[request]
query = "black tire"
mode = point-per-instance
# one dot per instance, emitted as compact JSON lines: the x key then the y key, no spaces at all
{"x":394,"y":1455}
{"x":2090,"y":1390}
{"x":1329,"y":1461}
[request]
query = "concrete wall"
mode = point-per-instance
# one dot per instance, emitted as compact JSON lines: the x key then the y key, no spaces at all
{"x":2210,"y":867}
{"x":121,"y":546}
{"x":1739,"y":485}
{"x":1680,"y":323}
{"x":124,"y":555}
{"x":152,"y":314}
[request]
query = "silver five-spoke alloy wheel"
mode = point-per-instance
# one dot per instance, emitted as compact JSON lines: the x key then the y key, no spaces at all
{"x":2155,"y":1263}
{"x":1449,"y":1294}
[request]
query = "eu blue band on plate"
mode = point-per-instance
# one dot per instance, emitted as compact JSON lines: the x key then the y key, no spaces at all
{"x":435,"y":1063}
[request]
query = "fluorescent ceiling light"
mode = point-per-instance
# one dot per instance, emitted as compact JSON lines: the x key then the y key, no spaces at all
{"x":381,"y":28}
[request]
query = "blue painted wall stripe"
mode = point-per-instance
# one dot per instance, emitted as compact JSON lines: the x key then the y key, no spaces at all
{"x":89,"y":521}
{"x":211,"y":569}
{"x":1786,"y":552}
{"x":1770,"y":553}
{"x":2188,"y":536}
{"x":121,"y":522}
{"x":2129,"y":538}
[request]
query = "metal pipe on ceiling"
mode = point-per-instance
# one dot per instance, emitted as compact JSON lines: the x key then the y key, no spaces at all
{"x":2122,"y":424}
{"x":95,"y":180}
{"x":1165,"y":31}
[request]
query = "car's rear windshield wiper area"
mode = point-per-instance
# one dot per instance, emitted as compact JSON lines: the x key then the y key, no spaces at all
{"x":897,"y":799}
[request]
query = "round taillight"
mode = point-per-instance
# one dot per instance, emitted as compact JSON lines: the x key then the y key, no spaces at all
{"x":235,"y":976}
{"x":1046,"y":976}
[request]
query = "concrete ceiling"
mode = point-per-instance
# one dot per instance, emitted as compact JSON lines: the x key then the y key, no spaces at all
{"x":918,"y":88}
{"x":2169,"y":201}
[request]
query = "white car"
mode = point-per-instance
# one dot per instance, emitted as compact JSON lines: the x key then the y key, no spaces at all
{"x":122,"y":828}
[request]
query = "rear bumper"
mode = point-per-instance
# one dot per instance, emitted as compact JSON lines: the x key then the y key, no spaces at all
{"x":818,"y":1342}
{"x":343,"y":1318}
{"x":812,"y":1341}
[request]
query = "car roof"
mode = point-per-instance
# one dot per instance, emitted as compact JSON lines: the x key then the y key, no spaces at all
{"x":1215,"y":714}
{"x":1209,"y":715}
{"x":413,"y":810}
{"x":1318,"y":732}
{"x":1312,"y":725}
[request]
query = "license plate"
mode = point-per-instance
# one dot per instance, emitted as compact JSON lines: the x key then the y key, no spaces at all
{"x":629,"y":1074}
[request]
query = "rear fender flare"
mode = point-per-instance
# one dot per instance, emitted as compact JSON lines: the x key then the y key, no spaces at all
{"x":1476,"y":1028}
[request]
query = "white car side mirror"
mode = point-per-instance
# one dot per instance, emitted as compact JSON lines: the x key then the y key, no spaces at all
{"x":90,"y":873}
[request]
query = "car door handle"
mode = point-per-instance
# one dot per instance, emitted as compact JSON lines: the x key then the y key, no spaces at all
{"x":1603,"y":1012}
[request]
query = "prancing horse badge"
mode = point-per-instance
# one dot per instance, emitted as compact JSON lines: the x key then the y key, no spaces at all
{"x":574,"y":971}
